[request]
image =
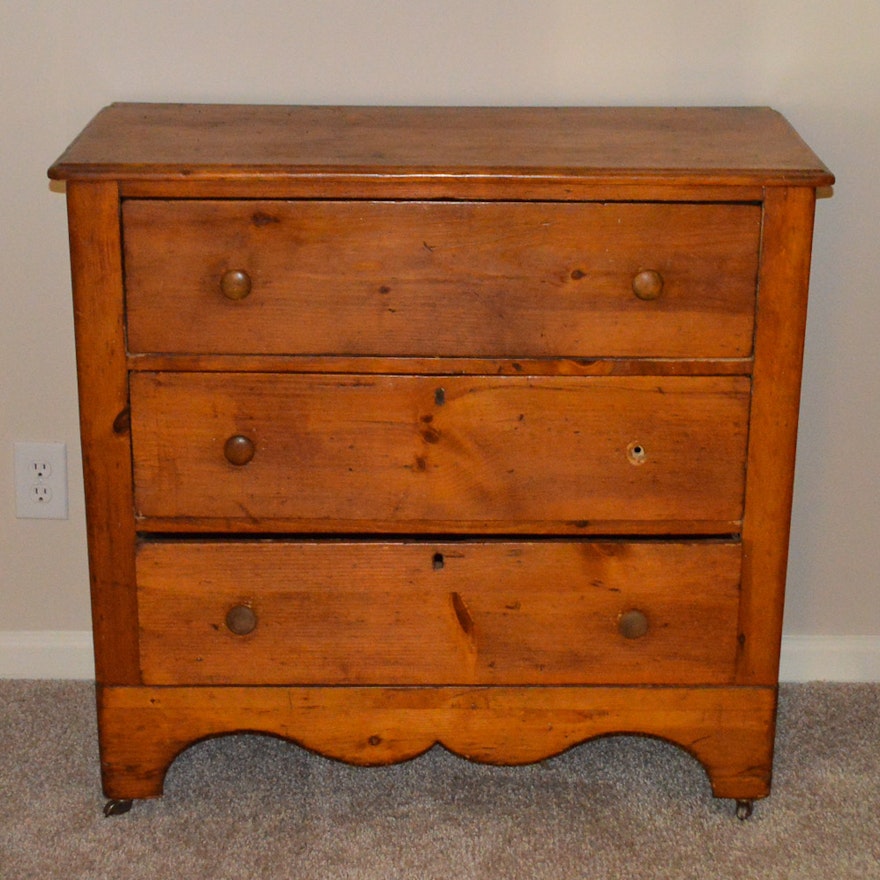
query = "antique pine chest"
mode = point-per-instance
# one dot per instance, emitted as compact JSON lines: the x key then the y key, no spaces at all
{"x":470,"y":426}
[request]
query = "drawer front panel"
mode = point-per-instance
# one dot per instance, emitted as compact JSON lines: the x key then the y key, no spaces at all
{"x":550,"y":612}
{"x":346,"y":452}
{"x":480,"y":279}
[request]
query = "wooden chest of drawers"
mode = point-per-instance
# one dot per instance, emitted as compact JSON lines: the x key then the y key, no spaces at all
{"x":417,"y":425}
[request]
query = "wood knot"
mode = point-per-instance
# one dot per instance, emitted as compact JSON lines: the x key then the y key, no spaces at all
{"x":260,"y":218}
{"x":465,"y":621}
{"x":122,"y":422}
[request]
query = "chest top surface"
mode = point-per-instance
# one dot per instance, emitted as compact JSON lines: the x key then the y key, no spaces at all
{"x":728,"y":146}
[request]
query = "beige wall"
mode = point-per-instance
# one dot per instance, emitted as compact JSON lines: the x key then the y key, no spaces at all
{"x":816,"y":61}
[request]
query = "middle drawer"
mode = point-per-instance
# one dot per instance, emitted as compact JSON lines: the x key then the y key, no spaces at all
{"x":287,"y":452}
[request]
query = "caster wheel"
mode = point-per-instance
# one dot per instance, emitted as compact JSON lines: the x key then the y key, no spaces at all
{"x":744,"y":810}
{"x":115,"y":807}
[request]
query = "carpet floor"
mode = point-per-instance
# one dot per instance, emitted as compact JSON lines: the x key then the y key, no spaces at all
{"x":620,"y":807}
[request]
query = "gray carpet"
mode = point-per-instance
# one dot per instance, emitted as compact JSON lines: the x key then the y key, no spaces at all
{"x":254,"y":807}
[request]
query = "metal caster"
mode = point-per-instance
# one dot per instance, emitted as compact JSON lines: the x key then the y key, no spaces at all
{"x":744,"y":809}
{"x":115,"y":807}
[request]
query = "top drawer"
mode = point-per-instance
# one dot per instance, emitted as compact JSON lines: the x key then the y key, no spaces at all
{"x":428,"y":279}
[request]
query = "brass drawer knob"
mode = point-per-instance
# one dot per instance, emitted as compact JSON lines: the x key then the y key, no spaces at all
{"x":648,"y":285}
{"x":241,"y":620}
{"x":235,"y":284}
{"x":632,"y":624}
{"x":239,"y":450}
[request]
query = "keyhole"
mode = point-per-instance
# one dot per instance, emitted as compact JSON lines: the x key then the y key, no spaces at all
{"x":438,"y":562}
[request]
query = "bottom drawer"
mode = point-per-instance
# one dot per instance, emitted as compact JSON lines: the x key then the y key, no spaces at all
{"x":446,"y":613}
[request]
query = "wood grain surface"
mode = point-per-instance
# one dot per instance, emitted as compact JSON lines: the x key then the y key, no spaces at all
{"x":479,"y":279}
{"x":504,"y":450}
{"x":430,"y":613}
{"x":729,"y":730}
{"x":630,"y":145}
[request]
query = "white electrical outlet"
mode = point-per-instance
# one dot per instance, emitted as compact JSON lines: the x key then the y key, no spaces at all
{"x":41,"y":480}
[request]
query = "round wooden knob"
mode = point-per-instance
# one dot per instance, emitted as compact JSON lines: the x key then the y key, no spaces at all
{"x":241,"y":620}
{"x":648,"y":285}
{"x":632,"y":624}
{"x":239,"y":450}
{"x":235,"y":284}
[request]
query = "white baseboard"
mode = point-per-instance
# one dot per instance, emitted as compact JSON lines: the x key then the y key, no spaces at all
{"x":46,"y":654}
{"x":830,"y":658}
{"x":68,"y":654}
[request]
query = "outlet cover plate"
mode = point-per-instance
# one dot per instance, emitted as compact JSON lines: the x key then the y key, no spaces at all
{"x":41,"y":480}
